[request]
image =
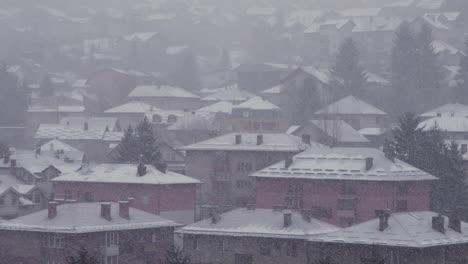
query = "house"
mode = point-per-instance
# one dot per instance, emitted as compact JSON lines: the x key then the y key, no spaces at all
{"x":343,"y":186}
{"x":223,"y":163}
{"x":447,"y":54}
{"x":454,"y":127}
{"x":451,"y":109}
{"x":111,"y":232}
{"x":18,"y":198}
{"x":160,"y":192}
{"x":252,"y":236}
{"x":355,"y":112}
{"x":258,"y":77}
{"x":231,"y":93}
{"x":84,"y":133}
{"x":166,"y":97}
{"x":193,"y":127}
{"x":409,"y":237}
{"x":256,"y":115}
{"x":335,"y":133}
{"x":130,"y":113}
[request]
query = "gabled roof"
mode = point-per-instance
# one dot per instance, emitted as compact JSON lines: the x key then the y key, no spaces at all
{"x":446,"y":123}
{"x":131,"y":107}
{"x":344,"y":164}
{"x":259,"y":223}
{"x":271,"y":142}
{"x":37,"y":163}
{"x":351,"y":105}
{"x":412,"y":230}
{"x":257,"y":103}
{"x":194,"y":122}
{"x":85,"y":218}
{"x":219,"y":107}
{"x":232,"y":93}
{"x":9,"y":182}
{"x":454,"y":109}
{"x":161,"y":91}
{"x":73,"y":128}
{"x":124,"y":173}
{"x":55,"y":144}
{"x":340,"y":130}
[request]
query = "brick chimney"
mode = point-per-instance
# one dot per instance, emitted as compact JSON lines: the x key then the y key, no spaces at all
{"x":438,"y":223}
{"x":307,"y":215}
{"x":369,"y":163}
{"x":106,"y":211}
{"x":52,"y":210}
{"x":454,"y":221}
{"x":383,"y":216}
{"x":306,"y":139}
{"x":259,"y":139}
{"x":238,"y":139}
{"x":124,"y":209}
{"x":287,"y":218}
{"x":13,"y":167}
{"x":141,"y":169}
{"x":85,"y":126}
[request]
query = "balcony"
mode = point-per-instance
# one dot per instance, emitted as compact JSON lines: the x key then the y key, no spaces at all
{"x":110,"y":251}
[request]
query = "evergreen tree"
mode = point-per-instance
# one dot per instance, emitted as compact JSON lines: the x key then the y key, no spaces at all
{"x":304,"y":101}
{"x":82,"y":258}
{"x":347,"y":71}
{"x":46,"y":88}
{"x":461,"y":91}
{"x":403,"y":67}
{"x":13,"y":99}
{"x":139,"y":145}
{"x":188,"y":75}
{"x":225,"y":60}
{"x":176,"y":256}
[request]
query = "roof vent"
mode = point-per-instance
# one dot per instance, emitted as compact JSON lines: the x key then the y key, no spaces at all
{"x":438,"y":223}
{"x":238,"y":139}
{"x":259,"y":139}
{"x":369,"y":163}
{"x":124,"y":209}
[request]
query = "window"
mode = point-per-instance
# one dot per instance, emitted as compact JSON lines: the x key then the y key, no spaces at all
{"x":295,"y":187}
{"x":68,"y":195}
{"x":79,"y":195}
{"x":243,"y":259}
{"x":349,"y":187}
{"x":402,"y":189}
{"x":122,"y":197}
{"x":225,"y":245}
{"x":53,"y":241}
{"x":294,"y":202}
{"x":264,"y":247}
{"x":377,"y":120}
{"x":243,"y":184}
{"x":347,"y":204}
{"x":112,"y":239}
{"x":145,"y":199}
{"x":196,"y":243}
{"x":244,"y":166}
{"x":322,"y":212}
{"x":89,"y":197}
{"x":401,"y":205}
{"x":291,"y":249}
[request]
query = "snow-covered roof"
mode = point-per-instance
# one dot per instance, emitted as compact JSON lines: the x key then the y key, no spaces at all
{"x":55,"y":144}
{"x":340,"y":130}
{"x":323,"y":76}
{"x":259,"y":223}
{"x":159,"y":16}
{"x":374,"y":78}
{"x":140,"y":36}
{"x":360,"y":12}
{"x":350,"y":105}
{"x":446,"y":123}
{"x":231,"y":93}
{"x":74,"y":128}
{"x":271,"y":142}
{"x":124,"y":173}
{"x":342,"y":163}
{"x":401,"y":3}
{"x":113,"y":136}
{"x":85,"y":218}
{"x":218,"y":107}
{"x":412,"y":229}
{"x":161,"y":91}
{"x":453,"y":109}
{"x":36,"y":163}
{"x":57,"y":108}
{"x":9,"y":182}
{"x":257,"y":103}
{"x":378,"y":24}
{"x":277,"y":89}
{"x":191,"y":121}
{"x":175,"y":50}
{"x":372,"y":131}
{"x":131,"y":107}
{"x":433,"y":20}
{"x":442,"y":46}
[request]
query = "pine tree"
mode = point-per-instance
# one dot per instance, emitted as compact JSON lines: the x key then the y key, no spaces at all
{"x":13,"y":99}
{"x":188,"y":76}
{"x":347,"y":71}
{"x":403,"y":68}
{"x":82,"y":258}
{"x":176,"y":256}
{"x":127,"y":151}
{"x":46,"y":88}
{"x":461,"y":91}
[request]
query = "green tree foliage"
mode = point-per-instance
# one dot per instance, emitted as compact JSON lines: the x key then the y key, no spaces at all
{"x":176,"y":256}
{"x":83,"y":258}
{"x":426,"y":149}
{"x":347,"y":71}
{"x":13,"y":99}
{"x":140,"y":143}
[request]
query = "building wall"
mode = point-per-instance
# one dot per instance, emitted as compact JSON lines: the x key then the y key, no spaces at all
{"x":327,"y":193}
{"x":31,"y":247}
{"x":150,"y":198}
{"x":211,"y":249}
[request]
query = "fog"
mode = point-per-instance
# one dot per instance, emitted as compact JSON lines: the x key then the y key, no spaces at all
{"x":233,"y":131}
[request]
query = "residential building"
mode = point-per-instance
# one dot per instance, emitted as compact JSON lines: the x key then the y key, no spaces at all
{"x":343,"y":186}
{"x":258,"y":77}
{"x":355,"y":112}
{"x":231,"y":93}
{"x":130,"y":113}
{"x":193,"y":127}
{"x":224,"y":163}
{"x":160,"y":192}
{"x":252,"y":236}
{"x":111,"y":232}
{"x":453,"y":109}
{"x":409,"y":237}
{"x":166,"y":97}
{"x":454,"y":127}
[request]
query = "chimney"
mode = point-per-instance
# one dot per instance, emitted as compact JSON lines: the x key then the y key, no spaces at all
{"x":13,"y":167}
{"x":383,"y":216}
{"x":106,"y":211}
{"x":130,"y":201}
{"x":288,"y":162}
{"x":238,"y":139}
{"x":251,"y":207}
{"x":124,"y":209}
{"x":287,"y":218}
{"x":215,"y":217}
{"x":454,"y":221}
{"x":141,"y":169}
{"x":259,"y":139}
{"x":85,"y":126}
{"x":369,"y":163}
{"x":438,"y":223}
{"x":161,"y":166}
{"x":6,"y":157}
{"x":306,"y":139}
{"x":52,"y":210}
{"x":307,"y":215}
